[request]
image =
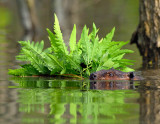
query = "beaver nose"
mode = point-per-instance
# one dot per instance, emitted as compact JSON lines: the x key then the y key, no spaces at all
{"x":93,"y":76}
{"x":131,"y":75}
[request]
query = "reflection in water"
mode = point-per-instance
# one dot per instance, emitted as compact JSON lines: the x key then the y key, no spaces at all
{"x":112,"y":85}
{"x":71,"y":101}
{"x":48,"y":100}
{"x":53,"y":101}
{"x":44,"y":100}
{"x":149,"y":102}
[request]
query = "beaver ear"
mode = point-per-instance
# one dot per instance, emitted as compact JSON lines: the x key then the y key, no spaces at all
{"x":131,"y":75}
{"x":92,"y":76}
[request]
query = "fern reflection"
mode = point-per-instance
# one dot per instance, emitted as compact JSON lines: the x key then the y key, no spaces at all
{"x":62,"y":101}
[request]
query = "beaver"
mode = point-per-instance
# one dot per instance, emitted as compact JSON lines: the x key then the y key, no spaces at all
{"x":113,"y":74}
{"x":112,"y":85}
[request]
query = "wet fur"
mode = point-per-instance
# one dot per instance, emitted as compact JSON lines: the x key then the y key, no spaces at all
{"x":113,"y":74}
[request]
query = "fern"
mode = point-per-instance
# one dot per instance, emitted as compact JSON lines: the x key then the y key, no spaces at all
{"x":94,"y":43}
{"x":26,"y":69}
{"x":33,"y":52}
{"x":72,"y":42}
{"x":56,"y":39}
{"x":55,"y":64}
{"x":85,"y":45}
{"x":89,"y":55}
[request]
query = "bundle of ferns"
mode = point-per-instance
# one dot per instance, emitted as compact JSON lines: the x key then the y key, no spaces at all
{"x":89,"y":55}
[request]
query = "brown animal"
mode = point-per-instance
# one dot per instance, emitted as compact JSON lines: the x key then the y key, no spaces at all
{"x":113,"y":74}
{"x":111,"y":85}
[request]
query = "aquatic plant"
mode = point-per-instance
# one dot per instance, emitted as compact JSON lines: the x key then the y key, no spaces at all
{"x":90,"y":106}
{"x":89,"y":55}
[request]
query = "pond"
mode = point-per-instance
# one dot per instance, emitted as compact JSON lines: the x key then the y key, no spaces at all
{"x":48,"y":100}
{"x":31,"y":100}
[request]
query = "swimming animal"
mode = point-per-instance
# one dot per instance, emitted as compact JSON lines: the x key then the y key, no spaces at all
{"x":113,"y":74}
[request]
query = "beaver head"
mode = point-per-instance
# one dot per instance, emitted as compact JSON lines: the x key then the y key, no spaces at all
{"x":113,"y":74}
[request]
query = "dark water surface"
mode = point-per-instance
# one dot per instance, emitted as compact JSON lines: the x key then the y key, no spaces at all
{"x":54,"y":101}
{"x":48,"y":100}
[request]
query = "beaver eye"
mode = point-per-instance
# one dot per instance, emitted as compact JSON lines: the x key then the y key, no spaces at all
{"x":111,"y":74}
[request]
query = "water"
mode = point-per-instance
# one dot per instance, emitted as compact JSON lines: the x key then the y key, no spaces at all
{"x":49,"y":100}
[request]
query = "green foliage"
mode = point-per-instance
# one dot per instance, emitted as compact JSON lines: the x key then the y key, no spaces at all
{"x":89,"y":55}
{"x":91,"y":106}
{"x":26,"y":69}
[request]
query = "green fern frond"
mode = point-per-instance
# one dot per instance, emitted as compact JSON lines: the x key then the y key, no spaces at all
{"x":53,"y":41}
{"x":127,"y":69}
{"x":104,"y":43}
{"x":116,"y":47}
{"x":94,"y":43}
{"x":57,"y":44}
{"x":120,"y":52}
{"x":73,"y":64}
{"x":55,"y":61}
{"x":72,"y":41}
{"x":90,"y":54}
{"x":26,"y":70}
{"x":109,"y":36}
{"x":85,"y":45}
{"x":18,"y":72}
{"x":59,"y":38}
{"x":93,"y":34}
{"x":33,"y":53}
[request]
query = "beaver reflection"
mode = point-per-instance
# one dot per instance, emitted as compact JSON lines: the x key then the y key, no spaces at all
{"x":111,"y":85}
